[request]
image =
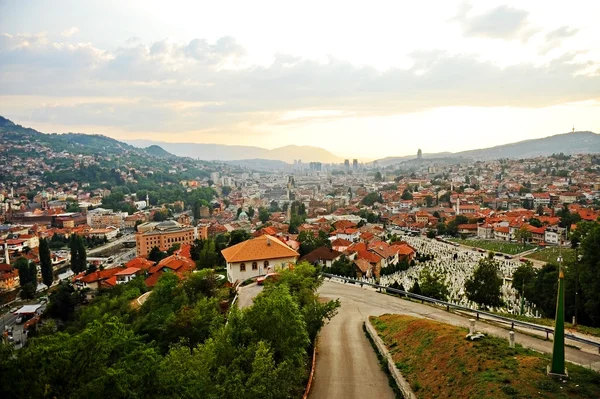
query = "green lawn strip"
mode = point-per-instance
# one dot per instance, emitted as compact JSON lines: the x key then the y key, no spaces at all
{"x":438,"y":361}
{"x":551,"y":254}
{"x":511,"y":248}
{"x":593,"y":331}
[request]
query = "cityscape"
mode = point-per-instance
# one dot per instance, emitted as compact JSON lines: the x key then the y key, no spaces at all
{"x":222,"y":226}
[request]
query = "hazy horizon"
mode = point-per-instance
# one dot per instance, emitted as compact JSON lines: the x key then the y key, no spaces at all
{"x":358,"y":81}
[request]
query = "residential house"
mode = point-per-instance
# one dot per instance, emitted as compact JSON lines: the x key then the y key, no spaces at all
{"x":322,"y":256}
{"x":256,"y":257}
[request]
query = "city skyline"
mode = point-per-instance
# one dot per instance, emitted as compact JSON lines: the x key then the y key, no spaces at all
{"x":470,"y":75}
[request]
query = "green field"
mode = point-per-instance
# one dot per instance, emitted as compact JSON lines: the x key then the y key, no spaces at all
{"x":511,"y":248}
{"x":438,"y":362}
{"x":551,"y":254}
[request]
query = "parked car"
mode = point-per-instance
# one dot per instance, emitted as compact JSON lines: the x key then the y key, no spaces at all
{"x":507,"y":257}
{"x":523,"y":259}
{"x":270,"y":276}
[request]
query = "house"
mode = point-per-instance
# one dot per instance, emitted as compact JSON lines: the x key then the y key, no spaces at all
{"x":502,"y":233}
{"x":256,"y":257}
{"x":322,"y":256}
{"x":485,"y":231}
{"x":349,"y":234}
{"x":127,"y":275}
{"x":467,"y":229}
{"x":95,"y":279}
{"x":340,"y":245}
{"x":537,"y":234}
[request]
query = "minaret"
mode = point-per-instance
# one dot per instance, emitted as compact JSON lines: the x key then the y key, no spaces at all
{"x":6,"y":255}
{"x":147,"y":201}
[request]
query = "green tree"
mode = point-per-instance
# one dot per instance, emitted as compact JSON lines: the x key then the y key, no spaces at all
{"x":250,"y":212}
{"x":156,"y":255}
{"x":485,"y":284}
{"x":74,"y":247}
{"x":343,"y":267}
{"x":370,"y":199}
{"x":208,"y":256}
{"x":62,"y":302}
{"x":524,"y":277}
{"x":523,"y":235}
{"x":589,"y":271}
{"x":378,"y":176}
{"x":45,"y":262}
{"x":263,"y":214}
{"x":433,"y":285}
{"x":225,"y":190}
{"x":429,"y":200}
{"x":237,"y":236}
{"x":535,"y":222}
{"x":406,"y":195}
{"x":27,"y":277}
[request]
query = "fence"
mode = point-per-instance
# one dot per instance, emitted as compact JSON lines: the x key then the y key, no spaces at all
{"x":477,"y":312}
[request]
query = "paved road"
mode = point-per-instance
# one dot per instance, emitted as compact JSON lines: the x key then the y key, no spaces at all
{"x":111,"y":244}
{"x":347,"y":366}
{"x":246,"y":295}
{"x":343,"y":362}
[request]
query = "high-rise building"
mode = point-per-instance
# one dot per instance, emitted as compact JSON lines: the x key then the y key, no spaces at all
{"x":316,"y":166}
{"x":355,"y":165}
{"x":346,"y":165}
{"x":419,"y":154}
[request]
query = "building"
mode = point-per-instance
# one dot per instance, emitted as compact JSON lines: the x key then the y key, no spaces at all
{"x":355,"y":165}
{"x":257,"y":256}
{"x":162,"y":235}
{"x":125,"y":276}
{"x":102,"y":218}
{"x":347,"y":165}
{"x":322,"y":256}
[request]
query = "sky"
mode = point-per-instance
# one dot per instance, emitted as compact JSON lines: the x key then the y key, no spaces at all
{"x":361,"y":79}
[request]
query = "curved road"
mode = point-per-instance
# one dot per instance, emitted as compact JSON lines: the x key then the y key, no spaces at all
{"x":346,"y":363}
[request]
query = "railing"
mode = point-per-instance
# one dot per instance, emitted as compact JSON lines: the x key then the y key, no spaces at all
{"x":477,"y":312}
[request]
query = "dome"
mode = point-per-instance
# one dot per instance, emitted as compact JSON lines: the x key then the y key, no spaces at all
{"x":167,"y":224}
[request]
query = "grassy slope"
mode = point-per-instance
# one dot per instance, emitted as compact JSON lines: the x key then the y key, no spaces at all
{"x":439,"y":362}
{"x":511,"y":248}
{"x":550,"y":254}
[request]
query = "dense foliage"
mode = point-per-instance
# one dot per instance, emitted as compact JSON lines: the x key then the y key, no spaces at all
{"x":177,"y":344}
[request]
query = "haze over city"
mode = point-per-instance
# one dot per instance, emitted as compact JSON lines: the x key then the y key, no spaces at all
{"x":360,"y":80}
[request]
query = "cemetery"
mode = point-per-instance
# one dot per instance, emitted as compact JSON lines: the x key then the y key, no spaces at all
{"x":438,"y":361}
{"x":550,"y":254}
{"x":511,"y":248}
{"x":455,"y":265}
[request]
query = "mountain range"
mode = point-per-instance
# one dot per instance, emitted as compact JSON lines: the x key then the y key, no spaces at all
{"x":567,"y":143}
{"x":222,"y":152}
{"x":262,"y":158}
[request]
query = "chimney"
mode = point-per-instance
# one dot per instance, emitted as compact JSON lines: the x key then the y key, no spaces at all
{"x":268,"y":241}
{"x":6,"y":256}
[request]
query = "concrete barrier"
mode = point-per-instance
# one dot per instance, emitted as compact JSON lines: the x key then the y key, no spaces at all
{"x":402,"y":384}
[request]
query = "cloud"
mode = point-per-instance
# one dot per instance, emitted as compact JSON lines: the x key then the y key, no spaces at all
{"x":70,"y":32}
{"x":502,"y":22}
{"x":554,"y":39}
{"x":179,"y":87}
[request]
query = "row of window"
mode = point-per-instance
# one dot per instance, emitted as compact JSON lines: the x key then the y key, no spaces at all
{"x":254,"y":266}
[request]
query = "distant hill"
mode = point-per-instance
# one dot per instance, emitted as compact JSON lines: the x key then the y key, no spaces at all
{"x":76,"y":143}
{"x":158,"y":151}
{"x":222,"y":152}
{"x":567,"y":143}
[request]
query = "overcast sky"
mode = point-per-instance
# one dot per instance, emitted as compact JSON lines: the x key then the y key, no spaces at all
{"x":363,"y":79}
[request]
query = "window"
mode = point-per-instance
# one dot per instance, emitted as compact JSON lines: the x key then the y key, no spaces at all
{"x":242,"y":267}
{"x":254,"y":266}
{"x":266,"y":263}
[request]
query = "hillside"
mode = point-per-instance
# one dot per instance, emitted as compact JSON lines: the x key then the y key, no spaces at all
{"x":76,"y":143}
{"x":222,"y":152}
{"x":567,"y":143}
{"x":438,"y":362}
{"x":158,"y":151}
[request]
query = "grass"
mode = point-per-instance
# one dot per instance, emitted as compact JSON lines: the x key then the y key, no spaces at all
{"x":511,"y":248}
{"x":551,"y":254}
{"x":593,"y":331}
{"x":439,"y":362}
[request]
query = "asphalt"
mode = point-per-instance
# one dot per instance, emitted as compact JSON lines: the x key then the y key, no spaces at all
{"x":360,"y":303}
{"x":246,"y":295}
